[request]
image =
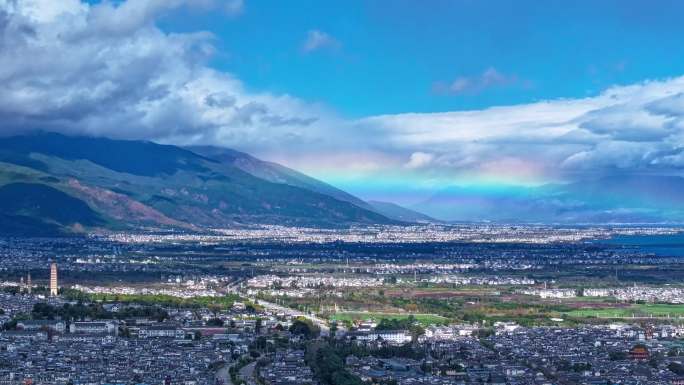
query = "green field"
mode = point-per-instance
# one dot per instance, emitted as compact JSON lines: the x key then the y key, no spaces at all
{"x":423,"y":319}
{"x":639,"y":310}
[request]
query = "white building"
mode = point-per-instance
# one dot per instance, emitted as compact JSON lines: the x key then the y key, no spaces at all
{"x":161,"y":331}
{"x":57,"y":326}
{"x":98,"y":327}
{"x":395,"y":337}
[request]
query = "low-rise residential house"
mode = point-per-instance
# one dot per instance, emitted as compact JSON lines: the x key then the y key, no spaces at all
{"x":161,"y":331}
{"x":56,"y":326}
{"x":94,"y":327}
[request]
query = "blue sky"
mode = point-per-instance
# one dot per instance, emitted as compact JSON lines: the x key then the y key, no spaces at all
{"x":390,"y":100}
{"x":388,"y":56}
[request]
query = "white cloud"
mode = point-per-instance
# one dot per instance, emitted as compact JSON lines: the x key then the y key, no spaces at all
{"x":107,"y":69}
{"x":234,"y":7}
{"x":489,"y":78}
{"x":637,"y":127}
{"x":419,"y":160}
{"x":317,"y":40}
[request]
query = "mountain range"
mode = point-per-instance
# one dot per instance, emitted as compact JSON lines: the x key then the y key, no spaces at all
{"x":612,"y":199}
{"x":56,"y":184}
{"x":52,"y":183}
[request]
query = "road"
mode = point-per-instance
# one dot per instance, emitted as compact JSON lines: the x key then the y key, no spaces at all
{"x":234,"y":286}
{"x":247,"y":373}
{"x":321,"y":323}
{"x":223,"y":376}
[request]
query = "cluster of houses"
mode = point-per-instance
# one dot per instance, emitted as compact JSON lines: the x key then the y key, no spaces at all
{"x":674,"y":295}
{"x":187,"y":348}
{"x":68,"y":360}
{"x":274,"y":281}
{"x":287,"y":367}
{"x":481,"y":281}
{"x":597,"y":355}
{"x":640,"y":293}
{"x":457,"y":361}
{"x":12,"y":305}
{"x":185,"y":289}
{"x":550,"y":293}
{"x":514,"y":355}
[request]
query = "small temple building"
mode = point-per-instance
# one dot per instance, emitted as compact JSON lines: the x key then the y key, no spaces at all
{"x":639,"y":352}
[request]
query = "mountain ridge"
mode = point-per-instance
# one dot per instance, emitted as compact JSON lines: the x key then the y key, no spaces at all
{"x":393,"y":210}
{"x":274,"y":172}
{"x":136,"y":183}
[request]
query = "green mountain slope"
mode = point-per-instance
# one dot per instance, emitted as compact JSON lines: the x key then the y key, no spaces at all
{"x":276,"y":173}
{"x":133,"y":183}
{"x":27,"y":208}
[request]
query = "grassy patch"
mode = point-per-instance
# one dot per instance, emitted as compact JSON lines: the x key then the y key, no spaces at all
{"x":637,"y":310}
{"x":423,"y":319}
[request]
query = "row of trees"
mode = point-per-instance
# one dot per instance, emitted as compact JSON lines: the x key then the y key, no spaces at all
{"x":212,"y":303}
{"x":409,"y":323}
{"x":95,"y":311}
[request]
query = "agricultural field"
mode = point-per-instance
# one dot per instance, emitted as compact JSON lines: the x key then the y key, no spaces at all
{"x":423,"y":319}
{"x":636,"y":310}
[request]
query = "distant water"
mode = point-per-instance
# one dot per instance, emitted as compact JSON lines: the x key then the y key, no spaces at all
{"x":661,"y":245}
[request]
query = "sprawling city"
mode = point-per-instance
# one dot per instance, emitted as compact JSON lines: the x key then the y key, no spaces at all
{"x":341,"y":192}
{"x":464,"y":305}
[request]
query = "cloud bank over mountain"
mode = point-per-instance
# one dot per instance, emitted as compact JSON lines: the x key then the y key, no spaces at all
{"x":108,"y":69}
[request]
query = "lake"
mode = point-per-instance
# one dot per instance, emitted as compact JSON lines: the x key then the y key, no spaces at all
{"x":671,"y":245}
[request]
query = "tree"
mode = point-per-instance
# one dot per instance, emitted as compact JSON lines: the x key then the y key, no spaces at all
{"x":333,"y":330}
{"x":11,"y":325}
{"x":124,"y":332}
{"x":258,"y":326}
{"x":654,"y":362}
{"x":484,"y":333}
{"x":329,"y":367}
{"x":395,"y":323}
{"x":416,"y":331}
{"x":676,"y":368}
{"x":343,"y":377}
{"x":214,"y":308}
{"x":215,"y":322}
{"x":304,"y":327}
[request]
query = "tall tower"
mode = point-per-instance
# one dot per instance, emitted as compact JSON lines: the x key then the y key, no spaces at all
{"x":28,"y":283}
{"x":53,"y":279}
